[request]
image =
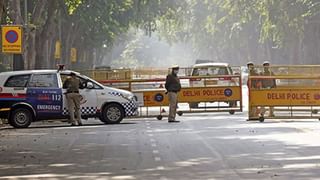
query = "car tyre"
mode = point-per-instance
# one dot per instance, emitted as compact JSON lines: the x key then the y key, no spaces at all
{"x":261,"y":119}
{"x":21,"y":118}
{"x":159,"y":117}
{"x":112,"y":114}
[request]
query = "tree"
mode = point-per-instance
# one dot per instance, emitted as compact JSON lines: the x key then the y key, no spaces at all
{"x":241,"y":30}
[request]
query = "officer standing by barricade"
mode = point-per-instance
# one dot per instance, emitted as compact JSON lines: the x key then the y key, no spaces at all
{"x":173,"y":86}
{"x":254,"y":84}
{"x":268,"y":83}
{"x":72,"y":85}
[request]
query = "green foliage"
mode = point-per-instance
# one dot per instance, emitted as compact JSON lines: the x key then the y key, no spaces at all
{"x":101,"y":22}
{"x":72,"y":5}
{"x":218,"y":27}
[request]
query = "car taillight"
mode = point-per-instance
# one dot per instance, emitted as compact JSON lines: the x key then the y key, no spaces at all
{"x":196,"y":79}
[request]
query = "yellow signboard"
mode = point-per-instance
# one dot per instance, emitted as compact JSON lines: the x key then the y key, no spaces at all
{"x":285,"y":97}
{"x":57,"y":52}
{"x":210,"y":94}
{"x":73,"y":55}
{"x":12,"y":39}
{"x":206,"y":94}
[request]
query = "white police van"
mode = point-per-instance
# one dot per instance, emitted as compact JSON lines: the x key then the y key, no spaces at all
{"x":33,"y":95}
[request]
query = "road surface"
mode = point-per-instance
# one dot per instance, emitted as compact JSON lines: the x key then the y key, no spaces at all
{"x":202,"y":146}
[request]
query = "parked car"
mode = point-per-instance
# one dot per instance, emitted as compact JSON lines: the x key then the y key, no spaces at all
{"x":211,"y":69}
{"x":33,"y":95}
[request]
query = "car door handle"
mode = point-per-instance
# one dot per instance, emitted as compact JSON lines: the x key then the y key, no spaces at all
{"x":103,"y":93}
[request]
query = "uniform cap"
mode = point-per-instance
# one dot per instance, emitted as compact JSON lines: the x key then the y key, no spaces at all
{"x":175,"y":66}
{"x":266,"y":62}
{"x":250,"y":63}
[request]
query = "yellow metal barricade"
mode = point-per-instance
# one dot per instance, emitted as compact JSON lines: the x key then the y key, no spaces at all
{"x":214,"y":93}
{"x":149,"y":73}
{"x":112,"y":74}
{"x":295,"y":95}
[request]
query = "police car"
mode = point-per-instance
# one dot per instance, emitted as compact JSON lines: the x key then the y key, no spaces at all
{"x":33,"y":95}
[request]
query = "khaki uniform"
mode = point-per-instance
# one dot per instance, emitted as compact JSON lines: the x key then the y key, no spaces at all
{"x":254,"y":84}
{"x":268,"y":84}
{"x":73,"y":99}
{"x":173,"y":101}
{"x":172,"y":86}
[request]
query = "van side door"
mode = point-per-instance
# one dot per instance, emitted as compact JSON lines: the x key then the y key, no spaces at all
{"x":88,"y":102}
{"x":45,"y":96}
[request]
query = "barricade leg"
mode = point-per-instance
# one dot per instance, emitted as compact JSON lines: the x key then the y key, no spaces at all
{"x":262,"y":111}
{"x":271,"y":111}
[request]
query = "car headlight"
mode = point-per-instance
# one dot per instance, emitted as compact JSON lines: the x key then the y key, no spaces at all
{"x":128,"y":97}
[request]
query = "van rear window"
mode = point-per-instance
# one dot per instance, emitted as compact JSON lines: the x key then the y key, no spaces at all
{"x":209,"y":71}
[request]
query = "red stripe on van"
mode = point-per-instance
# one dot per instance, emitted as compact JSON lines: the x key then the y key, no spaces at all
{"x":12,"y":95}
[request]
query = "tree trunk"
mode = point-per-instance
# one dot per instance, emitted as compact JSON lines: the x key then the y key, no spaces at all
{"x":3,"y":6}
{"x":44,"y":38}
{"x":311,"y":44}
{"x":31,"y":51}
{"x":15,"y":15}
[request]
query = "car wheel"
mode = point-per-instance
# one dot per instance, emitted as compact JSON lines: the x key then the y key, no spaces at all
{"x":112,"y":114}
{"x":261,"y":119}
{"x":21,"y":118}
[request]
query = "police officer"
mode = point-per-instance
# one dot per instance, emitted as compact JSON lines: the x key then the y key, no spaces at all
{"x":72,"y":85}
{"x":268,"y":84}
{"x":254,"y":83}
{"x":173,"y":86}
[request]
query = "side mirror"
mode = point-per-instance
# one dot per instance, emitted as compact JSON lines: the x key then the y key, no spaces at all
{"x":89,"y":85}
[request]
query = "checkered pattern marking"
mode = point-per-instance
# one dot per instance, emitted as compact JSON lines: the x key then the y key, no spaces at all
{"x":115,"y":93}
{"x":131,"y":108}
{"x":84,"y":110}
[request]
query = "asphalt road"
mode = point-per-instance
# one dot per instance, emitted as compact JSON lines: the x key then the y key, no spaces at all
{"x":202,"y":146}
